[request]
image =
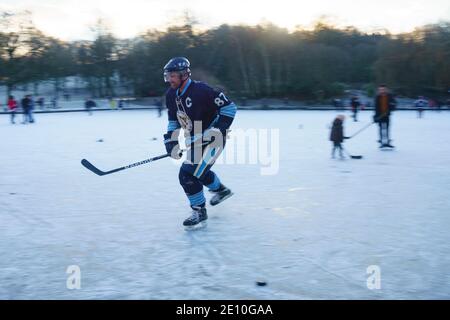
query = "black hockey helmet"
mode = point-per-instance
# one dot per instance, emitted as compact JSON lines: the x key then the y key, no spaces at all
{"x":177,"y":64}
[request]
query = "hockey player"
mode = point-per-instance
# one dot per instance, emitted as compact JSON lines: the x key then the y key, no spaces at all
{"x":205,"y":114}
{"x":337,"y":136}
{"x":385,"y":103}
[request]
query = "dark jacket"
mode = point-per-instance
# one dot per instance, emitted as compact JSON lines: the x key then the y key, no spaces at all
{"x":337,"y":131}
{"x":26,"y":104}
{"x":90,"y":104}
{"x":392,"y":103}
{"x":355,"y":104}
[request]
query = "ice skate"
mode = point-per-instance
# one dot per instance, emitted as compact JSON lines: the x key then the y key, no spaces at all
{"x":197,"y":219}
{"x":220,"y":195}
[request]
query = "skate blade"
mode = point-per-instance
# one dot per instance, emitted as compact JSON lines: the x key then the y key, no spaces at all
{"x":223,"y":199}
{"x":198,"y":226}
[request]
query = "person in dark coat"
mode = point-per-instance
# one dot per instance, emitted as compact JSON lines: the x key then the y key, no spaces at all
{"x":89,"y":104}
{"x":337,"y":104}
{"x":355,"y":104}
{"x":27,"y":109}
{"x":337,"y":136}
{"x":385,"y":103}
{"x":30,"y":108}
{"x":159,"y":104}
{"x":41,"y":102}
{"x":420,"y":105}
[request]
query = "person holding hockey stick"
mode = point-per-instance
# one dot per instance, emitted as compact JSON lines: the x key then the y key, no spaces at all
{"x":337,"y":136}
{"x":205,"y":114}
{"x":385,"y":103}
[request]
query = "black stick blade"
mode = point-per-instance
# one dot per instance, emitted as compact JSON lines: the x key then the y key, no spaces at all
{"x":357,"y":157}
{"x":91,"y":167}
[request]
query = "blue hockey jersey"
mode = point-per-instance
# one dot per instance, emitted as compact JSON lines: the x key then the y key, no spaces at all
{"x":198,"y":103}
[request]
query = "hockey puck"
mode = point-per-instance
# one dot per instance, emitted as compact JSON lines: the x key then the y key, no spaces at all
{"x":261,"y":283}
{"x":100,"y":140}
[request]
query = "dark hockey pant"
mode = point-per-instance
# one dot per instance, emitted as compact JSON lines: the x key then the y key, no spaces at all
{"x":384,"y":130}
{"x":196,"y":172}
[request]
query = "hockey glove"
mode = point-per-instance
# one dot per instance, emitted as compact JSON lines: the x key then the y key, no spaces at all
{"x":172,"y":146}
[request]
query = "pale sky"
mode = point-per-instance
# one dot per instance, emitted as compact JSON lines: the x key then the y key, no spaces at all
{"x":71,"y":19}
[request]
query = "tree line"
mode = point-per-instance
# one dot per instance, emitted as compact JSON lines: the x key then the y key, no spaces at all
{"x":247,"y":61}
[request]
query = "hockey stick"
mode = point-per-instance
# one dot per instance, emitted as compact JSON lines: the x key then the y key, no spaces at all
{"x":364,"y":128}
{"x":99,"y":172}
{"x":361,"y":130}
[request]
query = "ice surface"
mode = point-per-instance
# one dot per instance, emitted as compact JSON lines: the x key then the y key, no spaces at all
{"x":310,"y":231}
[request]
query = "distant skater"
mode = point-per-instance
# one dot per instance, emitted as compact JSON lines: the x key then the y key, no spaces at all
{"x":385,"y":103}
{"x":420,"y":105}
{"x":88,"y":105}
{"x":12,"y":107}
{"x":337,"y":136}
{"x":355,"y":104}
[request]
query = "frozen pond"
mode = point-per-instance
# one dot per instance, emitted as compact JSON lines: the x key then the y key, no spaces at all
{"x":311,"y":230}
